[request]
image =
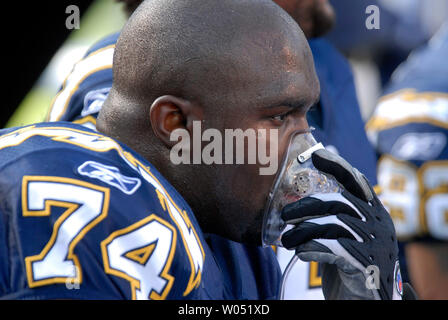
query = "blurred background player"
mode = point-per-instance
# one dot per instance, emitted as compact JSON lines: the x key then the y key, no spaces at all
{"x":410,"y":131}
{"x":405,"y":25}
{"x":374,"y":54}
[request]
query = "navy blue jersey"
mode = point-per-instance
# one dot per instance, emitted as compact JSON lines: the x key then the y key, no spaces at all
{"x":337,"y":118}
{"x":85,"y":89}
{"x":410,"y":131}
{"x":84,"y":217}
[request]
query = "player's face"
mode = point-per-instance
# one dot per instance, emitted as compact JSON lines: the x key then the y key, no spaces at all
{"x":270,"y":92}
{"x":315,"y":17}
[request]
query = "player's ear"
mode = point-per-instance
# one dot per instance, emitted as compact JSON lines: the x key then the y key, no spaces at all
{"x":168,"y":113}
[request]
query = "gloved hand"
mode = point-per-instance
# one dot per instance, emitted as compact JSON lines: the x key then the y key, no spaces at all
{"x":350,"y":234}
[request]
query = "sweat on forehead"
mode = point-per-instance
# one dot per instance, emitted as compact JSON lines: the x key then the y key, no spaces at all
{"x":169,"y":46}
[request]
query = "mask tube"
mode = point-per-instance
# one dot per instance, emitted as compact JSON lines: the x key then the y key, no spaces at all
{"x":297,"y":179}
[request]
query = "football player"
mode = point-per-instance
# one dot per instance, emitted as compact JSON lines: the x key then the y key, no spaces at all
{"x":409,"y":129}
{"x":67,"y":192}
{"x":336,"y":117}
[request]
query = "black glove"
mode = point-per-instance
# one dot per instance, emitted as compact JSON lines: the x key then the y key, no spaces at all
{"x":350,"y":234}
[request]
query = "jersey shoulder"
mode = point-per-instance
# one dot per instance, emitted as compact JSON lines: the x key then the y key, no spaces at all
{"x":412,"y":145}
{"x":105,"y":42}
{"x":410,"y":121}
{"x":87,"y":86}
{"x":425,"y":69}
{"x":416,"y":98}
{"x":100,"y":216}
{"x":409,"y":129}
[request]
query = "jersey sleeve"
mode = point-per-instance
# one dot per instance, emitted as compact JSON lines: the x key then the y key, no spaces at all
{"x":101,"y":224}
{"x":410,"y":131}
{"x":87,"y":86}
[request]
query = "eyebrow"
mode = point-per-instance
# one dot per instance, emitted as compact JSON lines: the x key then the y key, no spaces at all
{"x":294,"y":104}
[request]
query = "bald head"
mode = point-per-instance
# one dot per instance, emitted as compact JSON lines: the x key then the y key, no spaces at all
{"x":186,"y":47}
{"x":227,"y":63}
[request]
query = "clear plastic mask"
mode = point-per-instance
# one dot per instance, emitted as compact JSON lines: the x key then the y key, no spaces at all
{"x":297,"y":179}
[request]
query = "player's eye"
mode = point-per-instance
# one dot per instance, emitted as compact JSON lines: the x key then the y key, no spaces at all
{"x":280,"y":117}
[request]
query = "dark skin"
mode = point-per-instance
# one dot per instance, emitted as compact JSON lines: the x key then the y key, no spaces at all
{"x":251,"y":67}
{"x":315,"y":17}
{"x":428,"y":269}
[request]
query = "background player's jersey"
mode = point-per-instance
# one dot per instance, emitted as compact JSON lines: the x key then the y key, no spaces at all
{"x":410,"y":131}
{"x":337,"y":119}
{"x":84,"y":217}
{"x":84,"y":91}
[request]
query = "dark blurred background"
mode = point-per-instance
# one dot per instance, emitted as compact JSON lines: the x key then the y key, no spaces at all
{"x":38,"y":51}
